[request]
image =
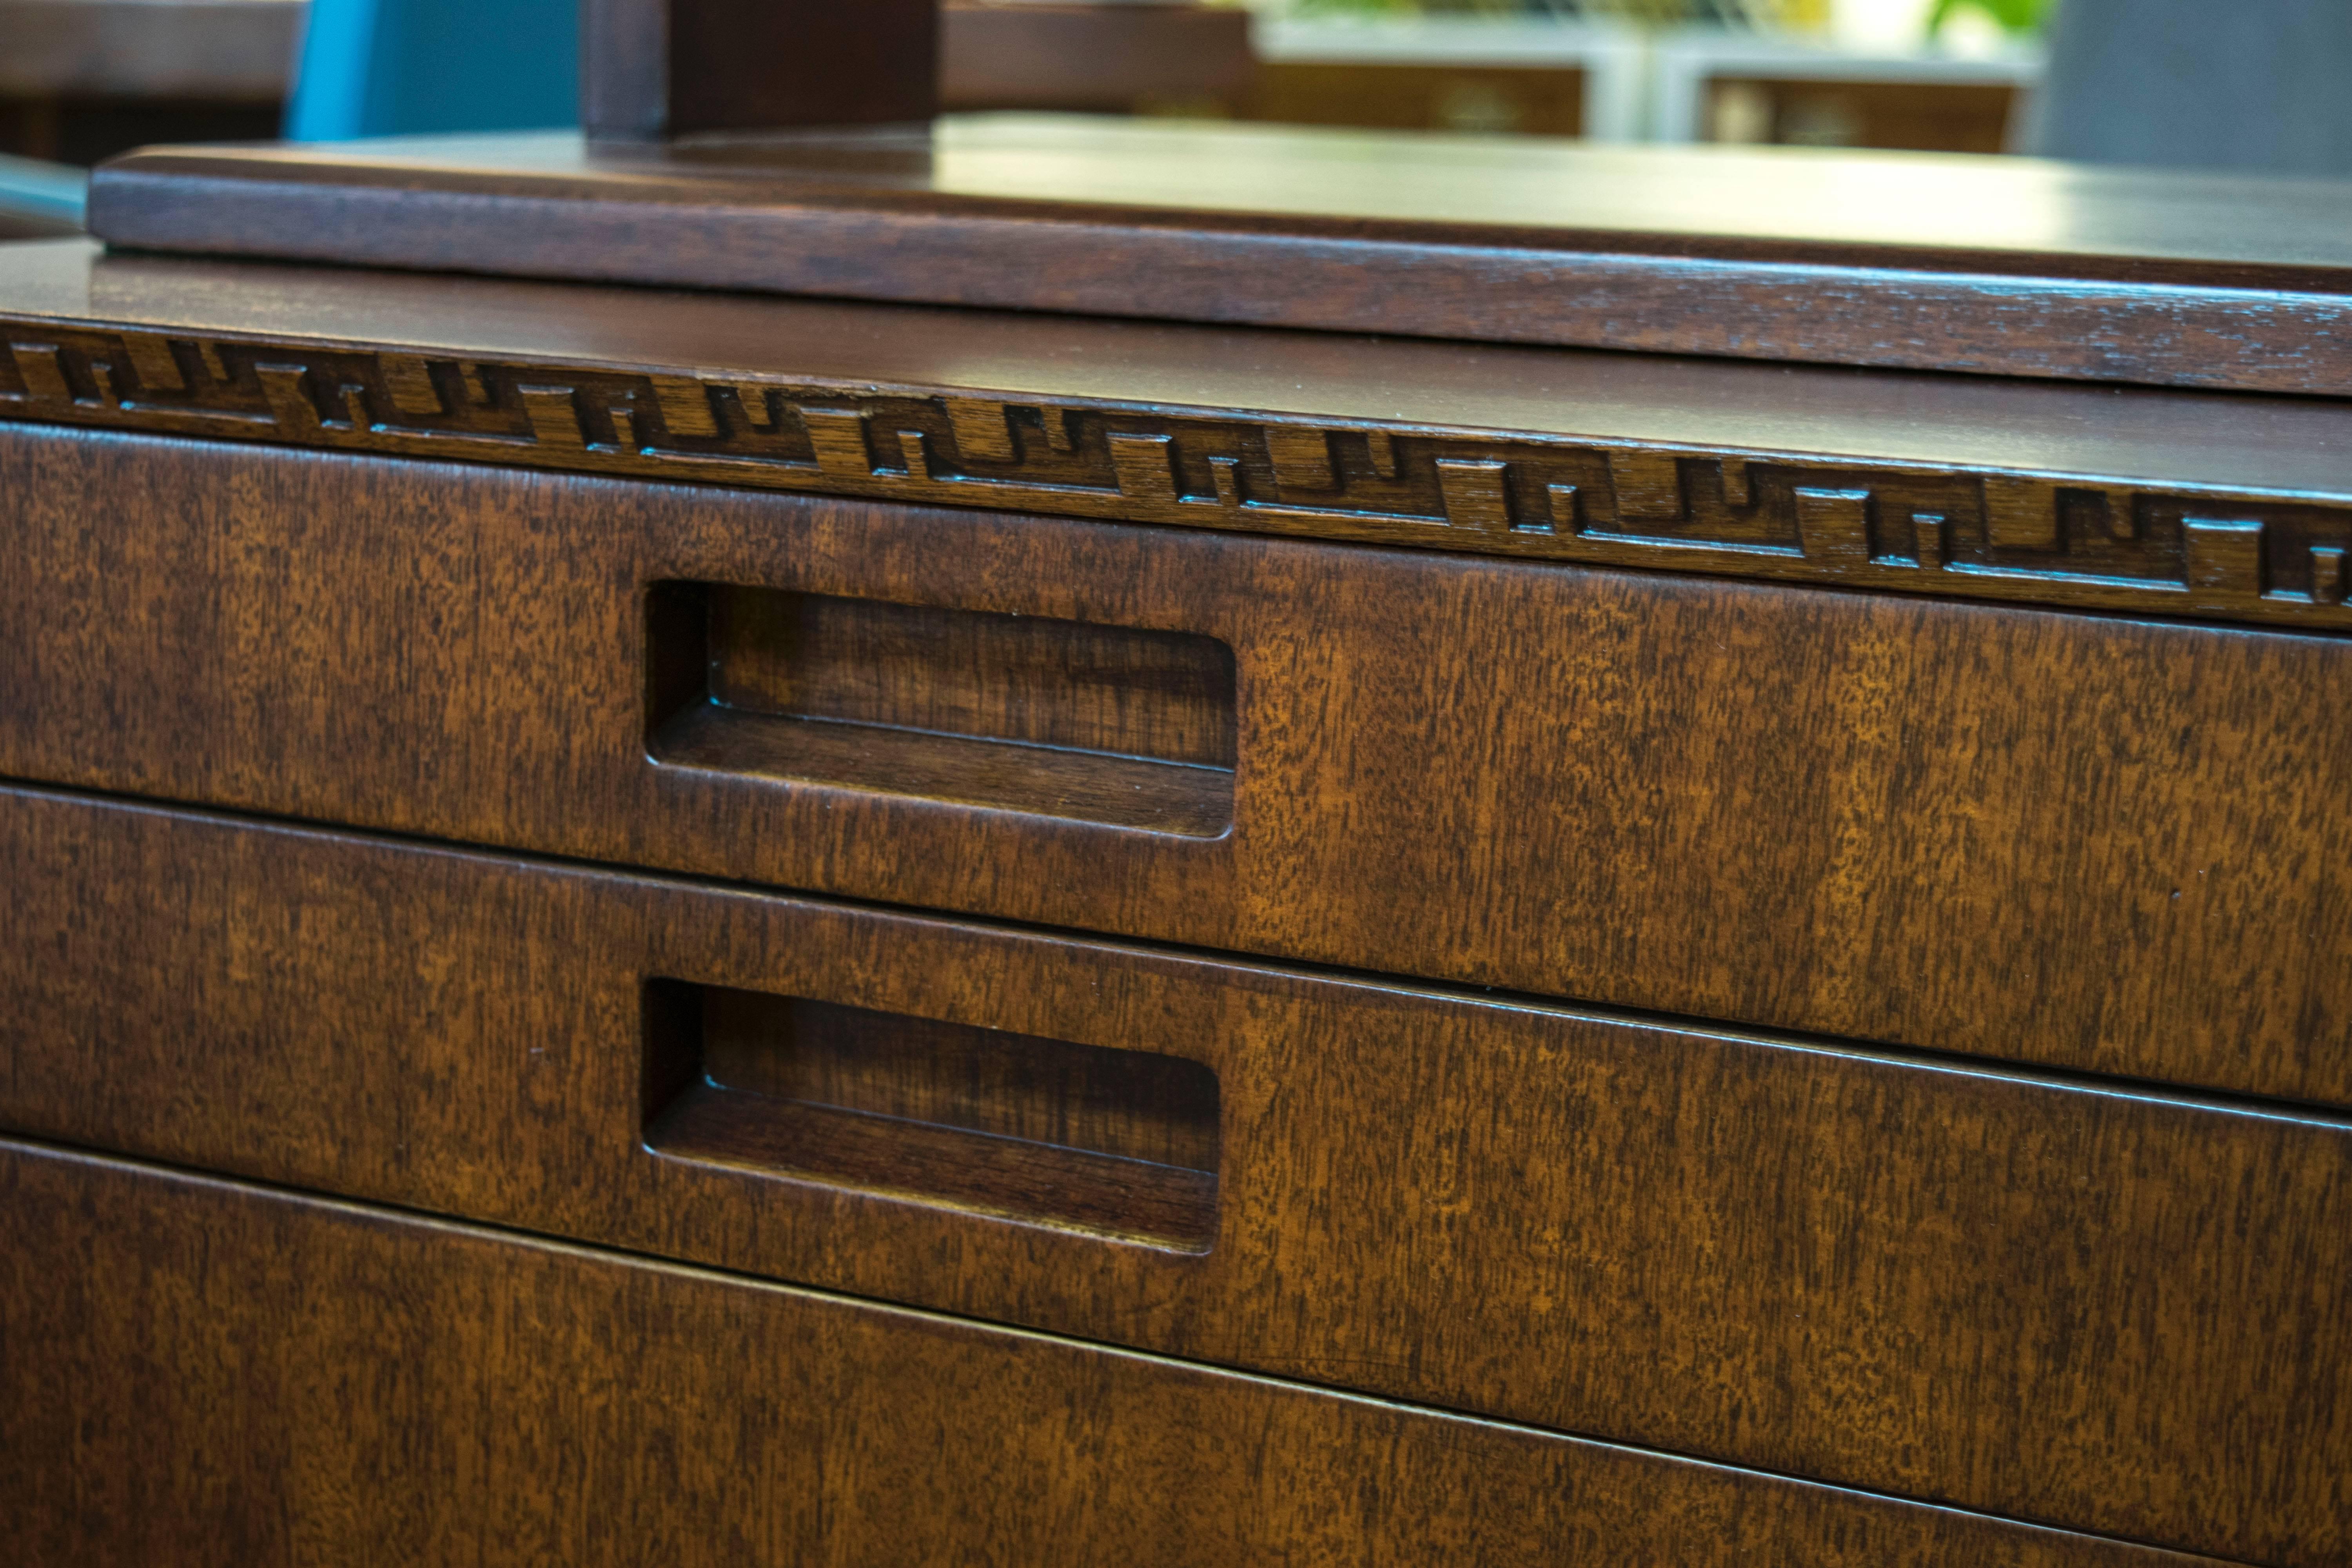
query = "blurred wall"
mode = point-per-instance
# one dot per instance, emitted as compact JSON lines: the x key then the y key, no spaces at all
{"x":2200,"y":84}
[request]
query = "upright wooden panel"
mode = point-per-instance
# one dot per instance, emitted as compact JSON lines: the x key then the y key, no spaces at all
{"x":2118,"y":845}
{"x":2093,"y":1306}
{"x":656,"y":69}
{"x":216,"y":1373}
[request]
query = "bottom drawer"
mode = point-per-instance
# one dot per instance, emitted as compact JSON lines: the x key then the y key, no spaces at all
{"x":201,"y":1372}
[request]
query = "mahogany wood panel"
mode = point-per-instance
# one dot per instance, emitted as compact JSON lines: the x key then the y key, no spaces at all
{"x":215,"y":1373}
{"x":2109,"y":845}
{"x":1127,"y":727}
{"x":2084,"y":1304}
{"x":1119,"y":1143}
{"x":1928,"y":261}
{"x":2109,"y":499}
{"x":1020,"y":678}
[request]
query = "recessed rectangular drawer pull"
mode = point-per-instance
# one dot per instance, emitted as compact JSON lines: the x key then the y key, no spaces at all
{"x":1117,"y":1142}
{"x":1115,"y":725}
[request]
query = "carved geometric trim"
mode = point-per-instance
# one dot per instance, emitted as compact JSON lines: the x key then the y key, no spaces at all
{"x":2071,"y":540}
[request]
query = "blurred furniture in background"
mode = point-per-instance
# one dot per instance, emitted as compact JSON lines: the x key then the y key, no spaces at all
{"x":1608,"y":81}
{"x":83,"y":80}
{"x":392,"y":67}
{"x":1118,"y":59}
{"x":375,"y":68}
{"x":40,"y":200}
{"x":1746,"y":86}
{"x":2259,"y":84}
{"x":1450,"y":73}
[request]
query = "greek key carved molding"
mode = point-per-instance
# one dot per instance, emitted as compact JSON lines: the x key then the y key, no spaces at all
{"x":2071,"y":540}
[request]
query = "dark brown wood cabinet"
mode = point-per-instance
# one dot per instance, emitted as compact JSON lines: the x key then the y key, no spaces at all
{"x":352,"y":1384}
{"x":723,"y":927}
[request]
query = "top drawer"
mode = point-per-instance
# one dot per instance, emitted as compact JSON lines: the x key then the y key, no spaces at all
{"x":2098,"y":843}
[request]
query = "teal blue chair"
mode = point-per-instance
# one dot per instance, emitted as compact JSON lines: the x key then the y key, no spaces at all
{"x":396,"y":68}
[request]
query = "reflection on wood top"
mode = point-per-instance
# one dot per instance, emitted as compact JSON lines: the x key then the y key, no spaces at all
{"x":1995,"y":266}
{"x":2275,"y":445}
{"x":2014,"y":214}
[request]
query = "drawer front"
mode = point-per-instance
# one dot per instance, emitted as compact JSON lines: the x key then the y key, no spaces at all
{"x":201,"y":1373}
{"x":2110,"y":1311}
{"x":2106,"y":845}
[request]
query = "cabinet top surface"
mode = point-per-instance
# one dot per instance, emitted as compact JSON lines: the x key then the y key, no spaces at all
{"x":1989,"y":266}
{"x":2276,"y":445}
{"x":1830,"y":205}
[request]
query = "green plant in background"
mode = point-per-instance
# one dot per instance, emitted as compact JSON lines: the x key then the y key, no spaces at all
{"x":2012,"y":16}
{"x":1656,"y":13}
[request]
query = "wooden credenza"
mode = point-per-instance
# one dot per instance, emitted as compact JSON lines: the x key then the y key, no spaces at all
{"x":709,"y":928}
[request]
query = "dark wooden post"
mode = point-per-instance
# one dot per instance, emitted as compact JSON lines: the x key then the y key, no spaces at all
{"x":656,"y":69}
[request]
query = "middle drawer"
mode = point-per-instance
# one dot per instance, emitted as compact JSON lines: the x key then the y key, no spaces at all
{"x":2117,"y":1311}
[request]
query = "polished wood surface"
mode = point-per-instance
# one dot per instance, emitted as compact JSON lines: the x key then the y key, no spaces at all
{"x":1348,"y":828}
{"x":1112,"y":1143}
{"x":1054,"y":717}
{"x":2107,"y":499}
{"x":2233,"y":444}
{"x":2089,"y":1305}
{"x":302,"y":1378}
{"x":2114,"y":845}
{"x":1892,"y":259}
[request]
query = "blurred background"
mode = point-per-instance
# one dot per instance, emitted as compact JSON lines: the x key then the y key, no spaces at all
{"x":2246,"y":84}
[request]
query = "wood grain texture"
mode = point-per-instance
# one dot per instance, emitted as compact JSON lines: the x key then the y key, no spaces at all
{"x":1926,"y":261}
{"x":2116,"y":846}
{"x":2092,"y":1307}
{"x":1116,"y":1144}
{"x":2090,"y":525}
{"x":1092,"y":788}
{"x":1022,"y":680}
{"x":1134,"y":1105}
{"x":221,"y":1373}
{"x":1053,"y":718}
